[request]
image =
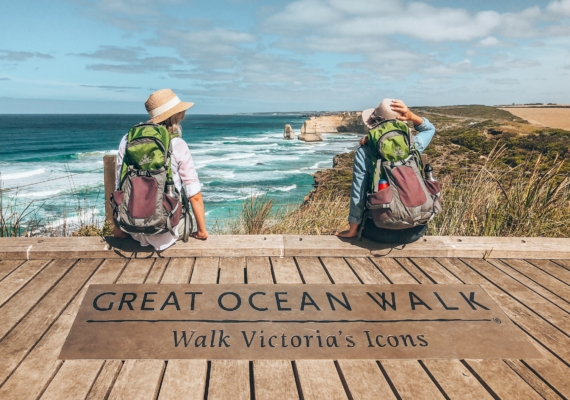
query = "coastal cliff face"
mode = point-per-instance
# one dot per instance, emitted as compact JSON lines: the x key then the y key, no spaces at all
{"x":337,"y":123}
{"x":344,"y":122}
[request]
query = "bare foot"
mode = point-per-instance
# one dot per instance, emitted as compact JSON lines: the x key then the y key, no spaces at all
{"x":346,"y":234}
{"x":350,"y":233}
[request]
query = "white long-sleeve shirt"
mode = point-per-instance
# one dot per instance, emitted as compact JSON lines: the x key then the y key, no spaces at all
{"x":183,"y":172}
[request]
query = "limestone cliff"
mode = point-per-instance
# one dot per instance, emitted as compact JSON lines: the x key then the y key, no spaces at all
{"x":337,"y":123}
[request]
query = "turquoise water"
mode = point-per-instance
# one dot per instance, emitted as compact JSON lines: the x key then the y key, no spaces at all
{"x":56,"y":161}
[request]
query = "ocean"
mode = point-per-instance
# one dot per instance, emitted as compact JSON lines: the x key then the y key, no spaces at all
{"x":55,"y":162}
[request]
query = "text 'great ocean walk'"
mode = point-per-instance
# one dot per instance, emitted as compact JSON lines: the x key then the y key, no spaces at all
{"x":292,"y":322}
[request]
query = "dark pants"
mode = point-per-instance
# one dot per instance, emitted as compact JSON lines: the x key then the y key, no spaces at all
{"x":403,"y":236}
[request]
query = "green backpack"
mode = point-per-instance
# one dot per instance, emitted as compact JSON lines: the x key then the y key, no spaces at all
{"x":408,"y":200}
{"x":142,"y":203}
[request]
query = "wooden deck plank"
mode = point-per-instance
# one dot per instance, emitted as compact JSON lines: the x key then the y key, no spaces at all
{"x":365,"y":380}
{"x":432,"y":269}
{"x":184,"y":379}
{"x":290,"y":246}
{"x":363,"y":377}
{"x":73,"y":380}
{"x":503,"y":381}
{"x":23,"y":301}
{"x":95,"y":247}
{"x":366,"y":270}
{"x":312,"y":373}
{"x":532,"y":379}
{"x":274,"y":379}
{"x":138,"y":379}
{"x":38,"y":368}
{"x":17,"y":344}
{"x":285,"y":270}
{"x":525,"y":296}
{"x":447,"y":277}
{"x":550,"y":337}
{"x":394,"y":271}
{"x":540,"y":277}
{"x":456,"y":380}
{"x":105,"y":381}
{"x":320,"y":380}
{"x":258,"y":270}
{"x":136,"y":271}
{"x":554,"y":372}
{"x":553,"y":269}
{"x":339,"y":271}
{"x":531,"y":284}
{"x":229,"y":379}
{"x":179,"y":270}
{"x":7,"y":266}
{"x":205,"y":270}
{"x":232,"y":270}
{"x":413,"y":270}
{"x":312,"y":271}
{"x":451,"y":375}
{"x":562,"y":262}
{"x":157,"y":270}
{"x":19,"y":278}
{"x":410,"y":380}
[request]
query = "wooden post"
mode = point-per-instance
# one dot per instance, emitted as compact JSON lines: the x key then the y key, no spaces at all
{"x":109,"y":179}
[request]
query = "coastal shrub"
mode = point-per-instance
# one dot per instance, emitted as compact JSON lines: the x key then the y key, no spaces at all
{"x":254,"y":218}
{"x":520,"y":202}
{"x":17,"y":221}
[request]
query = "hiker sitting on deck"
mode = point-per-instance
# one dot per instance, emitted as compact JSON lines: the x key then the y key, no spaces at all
{"x":154,"y":170}
{"x":378,"y":221}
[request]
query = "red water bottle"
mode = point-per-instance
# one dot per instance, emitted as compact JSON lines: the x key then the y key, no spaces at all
{"x":382,"y":184}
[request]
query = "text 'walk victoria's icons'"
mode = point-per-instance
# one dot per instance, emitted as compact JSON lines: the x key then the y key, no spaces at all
{"x":292,"y":322}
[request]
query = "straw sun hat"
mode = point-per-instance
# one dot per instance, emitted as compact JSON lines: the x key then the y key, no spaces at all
{"x":373,"y":116}
{"x":163,"y":104}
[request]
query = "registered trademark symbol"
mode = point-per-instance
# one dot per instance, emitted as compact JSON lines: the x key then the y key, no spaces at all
{"x":497,"y":320}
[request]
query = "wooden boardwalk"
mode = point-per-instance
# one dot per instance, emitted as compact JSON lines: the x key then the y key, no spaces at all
{"x":42,"y":282}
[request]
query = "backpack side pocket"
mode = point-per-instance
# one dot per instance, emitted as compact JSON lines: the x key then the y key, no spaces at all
{"x":173,"y":208}
{"x":434,"y":187}
{"x":379,"y":204}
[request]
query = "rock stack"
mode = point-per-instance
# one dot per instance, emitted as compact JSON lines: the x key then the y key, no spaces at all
{"x":309,"y":132}
{"x":289,"y":132}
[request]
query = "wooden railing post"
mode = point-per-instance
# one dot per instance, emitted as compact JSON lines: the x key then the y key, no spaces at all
{"x":109,"y":180}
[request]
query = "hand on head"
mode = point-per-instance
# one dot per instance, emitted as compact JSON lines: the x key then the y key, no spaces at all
{"x":401,"y":108}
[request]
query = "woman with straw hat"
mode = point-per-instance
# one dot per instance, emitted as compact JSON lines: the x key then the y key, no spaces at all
{"x":388,"y":109}
{"x":165,"y":108}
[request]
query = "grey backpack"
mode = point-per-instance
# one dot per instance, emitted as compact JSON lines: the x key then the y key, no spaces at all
{"x":407,"y":200}
{"x":147,"y":201}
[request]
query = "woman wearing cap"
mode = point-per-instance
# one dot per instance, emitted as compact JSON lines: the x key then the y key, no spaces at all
{"x":362,"y":171}
{"x":165,"y":108}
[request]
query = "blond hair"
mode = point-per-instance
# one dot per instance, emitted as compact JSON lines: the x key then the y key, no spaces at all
{"x":173,"y":123}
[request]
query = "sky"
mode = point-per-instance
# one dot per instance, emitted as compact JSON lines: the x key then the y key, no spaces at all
{"x":241,"y":56}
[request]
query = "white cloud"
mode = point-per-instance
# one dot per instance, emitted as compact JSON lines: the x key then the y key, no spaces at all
{"x":490,"y":41}
{"x":397,"y":17}
{"x":559,"y":7}
{"x":211,"y":48}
